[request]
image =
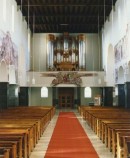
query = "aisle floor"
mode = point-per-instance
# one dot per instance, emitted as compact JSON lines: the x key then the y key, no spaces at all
{"x":40,"y":149}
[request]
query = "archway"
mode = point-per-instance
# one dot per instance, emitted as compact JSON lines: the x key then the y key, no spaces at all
{"x":110,"y":66}
{"x":3,"y":71}
{"x":12,"y":75}
{"x":121,"y":75}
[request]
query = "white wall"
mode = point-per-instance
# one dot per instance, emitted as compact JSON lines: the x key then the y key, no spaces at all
{"x":35,"y":97}
{"x":115,"y":30}
{"x":39,"y":47}
{"x":17,"y":27}
{"x":89,"y":78}
{"x":93,"y":54}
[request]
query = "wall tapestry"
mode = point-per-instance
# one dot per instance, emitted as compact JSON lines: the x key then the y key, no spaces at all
{"x":8,"y":51}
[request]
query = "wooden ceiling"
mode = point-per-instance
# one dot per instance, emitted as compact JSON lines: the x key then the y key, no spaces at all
{"x":73,"y":16}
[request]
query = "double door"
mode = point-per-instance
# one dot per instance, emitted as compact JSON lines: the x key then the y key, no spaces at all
{"x":66,"y":98}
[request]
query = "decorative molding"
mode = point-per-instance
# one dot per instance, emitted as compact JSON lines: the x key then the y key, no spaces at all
{"x":68,"y":77}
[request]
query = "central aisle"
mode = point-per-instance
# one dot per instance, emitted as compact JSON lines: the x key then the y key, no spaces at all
{"x":69,"y":139}
{"x":41,"y":148}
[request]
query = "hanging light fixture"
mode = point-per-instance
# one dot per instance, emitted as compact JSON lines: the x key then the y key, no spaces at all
{"x":4,"y":10}
{"x":105,"y":78}
{"x":99,"y":79}
{"x":93,"y":65}
{"x":19,"y":71}
{"x":112,"y":17}
{"x":28,"y":14}
{"x":28,"y":78}
{"x":33,"y":79}
{"x":104,"y":13}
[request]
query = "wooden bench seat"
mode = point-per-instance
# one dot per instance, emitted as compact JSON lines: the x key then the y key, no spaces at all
{"x":120,"y":142}
{"x":29,"y":127}
{"x":10,"y":145}
{"x":4,"y":153}
{"x":103,"y":122}
{"x":24,"y":127}
{"x":106,"y":123}
{"x":16,"y":139}
{"x":126,"y":147}
{"x":23,"y":133}
{"x":104,"y":129}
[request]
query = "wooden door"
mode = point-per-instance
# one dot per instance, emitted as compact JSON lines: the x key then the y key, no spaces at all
{"x":66,"y":97}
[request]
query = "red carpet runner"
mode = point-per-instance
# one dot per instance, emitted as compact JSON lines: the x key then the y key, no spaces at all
{"x":69,"y":139}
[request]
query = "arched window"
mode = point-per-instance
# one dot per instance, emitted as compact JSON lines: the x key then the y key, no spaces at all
{"x":87,"y":92}
{"x":116,"y":91}
{"x":44,"y":92}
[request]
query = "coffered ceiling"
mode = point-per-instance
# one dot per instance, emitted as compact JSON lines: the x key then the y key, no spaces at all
{"x":73,"y":16}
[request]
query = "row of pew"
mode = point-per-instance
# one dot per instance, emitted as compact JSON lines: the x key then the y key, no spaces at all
{"x":21,"y":128}
{"x":112,"y":126}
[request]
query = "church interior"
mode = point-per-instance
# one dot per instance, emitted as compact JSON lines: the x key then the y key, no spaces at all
{"x":64,"y":59}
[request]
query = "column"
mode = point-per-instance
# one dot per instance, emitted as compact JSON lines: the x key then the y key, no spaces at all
{"x":13,"y":95}
{"x":23,"y":96}
{"x":121,"y":95}
{"x":107,"y":96}
{"x":4,"y":95}
{"x":127,"y":94}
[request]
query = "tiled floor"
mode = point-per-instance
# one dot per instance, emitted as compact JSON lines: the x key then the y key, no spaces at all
{"x":42,"y":145}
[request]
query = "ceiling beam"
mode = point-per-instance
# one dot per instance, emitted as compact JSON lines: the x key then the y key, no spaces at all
{"x":63,"y":15}
{"x":65,"y":5}
{"x":65,"y":2}
{"x":74,"y":24}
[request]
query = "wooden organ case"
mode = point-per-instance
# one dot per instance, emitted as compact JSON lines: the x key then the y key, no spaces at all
{"x":66,"y":52}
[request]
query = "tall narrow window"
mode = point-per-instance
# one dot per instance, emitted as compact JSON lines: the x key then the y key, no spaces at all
{"x":50,"y":50}
{"x":44,"y":92}
{"x":87,"y":92}
{"x":116,"y":91}
{"x":81,"y":52}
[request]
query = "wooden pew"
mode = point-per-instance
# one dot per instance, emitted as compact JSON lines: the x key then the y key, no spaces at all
{"x":121,"y":144}
{"x":27,"y":122}
{"x":106,"y":123}
{"x":10,"y":145}
{"x":126,"y":141}
{"x":16,"y":132}
{"x":4,"y":153}
{"x":16,"y":139}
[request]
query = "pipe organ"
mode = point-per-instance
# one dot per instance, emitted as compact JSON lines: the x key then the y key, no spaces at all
{"x":66,"y":53}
